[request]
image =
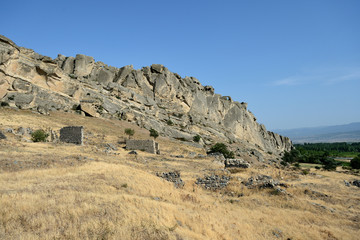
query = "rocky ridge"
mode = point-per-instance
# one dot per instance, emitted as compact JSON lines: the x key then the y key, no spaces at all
{"x":151,"y":97}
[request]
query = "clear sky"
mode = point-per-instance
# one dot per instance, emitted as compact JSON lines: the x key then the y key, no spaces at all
{"x":297,"y":63}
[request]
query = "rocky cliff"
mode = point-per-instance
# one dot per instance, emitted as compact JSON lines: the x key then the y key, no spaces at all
{"x":152,"y":97}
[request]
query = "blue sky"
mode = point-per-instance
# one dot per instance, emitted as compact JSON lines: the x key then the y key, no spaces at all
{"x":297,"y":63}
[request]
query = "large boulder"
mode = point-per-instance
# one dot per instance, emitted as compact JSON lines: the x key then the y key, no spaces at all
{"x":83,"y":65}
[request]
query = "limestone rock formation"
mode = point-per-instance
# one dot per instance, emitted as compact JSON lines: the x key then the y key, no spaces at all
{"x":151,"y":97}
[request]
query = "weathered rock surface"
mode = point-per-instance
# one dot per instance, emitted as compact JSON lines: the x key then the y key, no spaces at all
{"x":213,"y":182}
{"x":149,"y":97}
{"x":263,"y":181}
{"x":237,"y":163}
{"x":356,"y":183}
{"x":173,"y":177}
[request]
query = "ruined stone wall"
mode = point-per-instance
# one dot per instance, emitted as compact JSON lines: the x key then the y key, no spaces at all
{"x":149,"y":146}
{"x":72,"y":134}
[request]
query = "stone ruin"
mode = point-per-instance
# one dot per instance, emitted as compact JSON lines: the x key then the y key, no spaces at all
{"x":213,"y":182}
{"x":149,"y":146}
{"x":173,"y":177}
{"x":72,"y":134}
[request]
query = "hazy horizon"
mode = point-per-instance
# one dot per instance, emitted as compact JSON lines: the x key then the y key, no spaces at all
{"x":297,"y":64}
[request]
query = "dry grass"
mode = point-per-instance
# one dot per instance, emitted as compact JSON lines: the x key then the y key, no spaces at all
{"x":62,"y":191}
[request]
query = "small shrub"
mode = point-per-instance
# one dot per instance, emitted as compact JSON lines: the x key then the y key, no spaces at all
{"x":305,"y":171}
{"x":269,"y":152}
{"x":39,"y":136}
{"x":4,"y":104}
{"x":222,"y":148}
{"x":124,"y":185}
{"x":330,"y":164}
{"x":129,"y":131}
{"x":297,"y":165}
{"x":153,"y":133}
{"x":11,"y":97}
{"x":169,"y":122}
{"x":355,"y":162}
{"x":100,"y":109}
{"x":197,"y":138}
{"x":284,"y":163}
{"x":317,"y":167}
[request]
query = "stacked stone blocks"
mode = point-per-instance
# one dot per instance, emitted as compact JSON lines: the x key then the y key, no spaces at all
{"x":149,"y":146}
{"x":72,"y":134}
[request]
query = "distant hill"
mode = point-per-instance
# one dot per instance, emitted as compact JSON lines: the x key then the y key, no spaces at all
{"x":338,"y":133}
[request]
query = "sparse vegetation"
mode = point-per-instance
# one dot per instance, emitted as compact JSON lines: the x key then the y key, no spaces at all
{"x":197,"y":138}
{"x":355,"y":162}
{"x":4,"y":104}
{"x":64,"y":191}
{"x":222,"y":148}
{"x":153,"y":133}
{"x":39,"y":136}
{"x":100,"y":109}
{"x":129,"y":131}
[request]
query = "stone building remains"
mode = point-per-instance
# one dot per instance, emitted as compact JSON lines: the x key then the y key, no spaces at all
{"x":72,"y":134}
{"x":149,"y":146}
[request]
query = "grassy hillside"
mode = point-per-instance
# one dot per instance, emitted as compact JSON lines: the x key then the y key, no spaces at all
{"x":63,"y":191}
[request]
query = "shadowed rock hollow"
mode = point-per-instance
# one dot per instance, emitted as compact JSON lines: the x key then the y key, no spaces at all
{"x":152,"y":97}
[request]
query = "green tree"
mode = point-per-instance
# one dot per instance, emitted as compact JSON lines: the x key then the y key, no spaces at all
{"x":129,"y":131}
{"x":330,"y":164}
{"x":197,"y":138}
{"x":355,"y":162}
{"x":222,"y":148}
{"x":153,"y":133}
{"x":39,"y":136}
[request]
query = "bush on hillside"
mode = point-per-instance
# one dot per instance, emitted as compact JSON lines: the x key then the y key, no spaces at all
{"x":222,"y":148}
{"x":39,"y":136}
{"x":330,"y":164}
{"x":129,"y":131}
{"x":153,"y":133}
{"x":197,"y":138}
{"x":4,"y":104}
{"x":355,"y":162}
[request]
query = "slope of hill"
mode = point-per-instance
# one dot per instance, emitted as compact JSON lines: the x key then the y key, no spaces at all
{"x":339,"y":133}
{"x":151,"y":97}
{"x":54,"y":190}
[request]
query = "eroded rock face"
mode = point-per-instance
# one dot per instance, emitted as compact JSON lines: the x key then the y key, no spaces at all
{"x":236,"y":163}
{"x":151,"y":97}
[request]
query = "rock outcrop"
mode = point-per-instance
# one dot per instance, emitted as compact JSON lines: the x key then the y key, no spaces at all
{"x":151,"y":97}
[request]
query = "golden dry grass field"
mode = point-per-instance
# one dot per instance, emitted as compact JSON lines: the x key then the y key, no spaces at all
{"x":63,"y":191}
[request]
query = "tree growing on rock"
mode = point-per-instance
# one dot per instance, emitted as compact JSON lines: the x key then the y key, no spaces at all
{"x":153,"y":133}
{"x":129,"y":131}
{"x":222,"y":148}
